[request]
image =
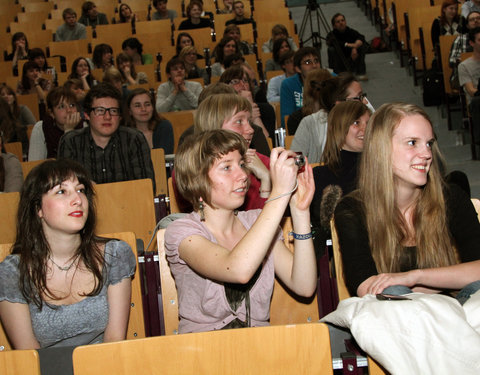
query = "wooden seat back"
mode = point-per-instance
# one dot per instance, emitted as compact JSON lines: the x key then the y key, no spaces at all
{"x":446,"y":42}
{"x":291,"y":349}
{"x":25,"y":362}
{"x":27,"y":166}
{"x":8,"y":216}
{"x":15,"y":148}
{"x":126,"y":206}
{"x":158,"y":161}
{"x":181,"y":121}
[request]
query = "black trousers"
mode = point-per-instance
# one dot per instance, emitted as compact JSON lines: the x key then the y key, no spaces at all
{"x":475,"y":113}
{"x":337,"y":60}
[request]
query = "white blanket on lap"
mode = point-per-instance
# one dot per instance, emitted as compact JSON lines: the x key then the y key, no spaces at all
{"x":431,"y":334}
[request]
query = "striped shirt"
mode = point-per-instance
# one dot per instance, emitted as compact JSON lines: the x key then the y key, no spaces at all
{"x":126,"y":156}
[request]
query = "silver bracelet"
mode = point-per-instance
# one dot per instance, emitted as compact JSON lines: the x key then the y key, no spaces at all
{"x":284,"y":194}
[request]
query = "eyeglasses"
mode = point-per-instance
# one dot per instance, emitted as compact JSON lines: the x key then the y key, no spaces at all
{"x":359,"y":98}
{"x":310,"y":62}
{"x":100,"y":111}
{"x":63,"y":106}
{"x":237,"y":81}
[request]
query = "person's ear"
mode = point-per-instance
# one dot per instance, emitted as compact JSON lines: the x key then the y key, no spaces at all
{"x":298,"y":70}
{"x":85,"y":114}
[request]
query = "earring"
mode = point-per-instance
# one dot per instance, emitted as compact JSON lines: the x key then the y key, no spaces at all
{"x":200,"y":208}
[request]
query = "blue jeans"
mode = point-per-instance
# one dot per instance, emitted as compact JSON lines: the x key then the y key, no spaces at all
{"x":462,"y":296}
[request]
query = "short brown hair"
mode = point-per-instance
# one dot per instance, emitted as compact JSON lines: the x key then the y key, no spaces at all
{"x":216,"y":109}
{"x":55,"y":95}
{"x":195,"y":157}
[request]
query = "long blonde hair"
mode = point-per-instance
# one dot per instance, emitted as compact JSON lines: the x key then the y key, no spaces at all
{"x":376,"y":190}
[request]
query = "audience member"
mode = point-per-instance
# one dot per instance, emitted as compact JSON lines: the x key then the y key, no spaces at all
{"x":346,"y":48}
{"x":125,"y":14}
{"x":108,"y":151}
{"x":71,"y":29}
{"x":448,"y":23}
{"x":403,"y":230}
{"x":21,"y":113}
{"x":184,"y":40}
{"x":177,"y":94}
{"x":258,"y":142}
{"x":62,"y":117}
{"x":291,"y":91}
{"x":19,"y":49}
{"x":311,"y":135}
{"x":337,"y":176}
{"x":102,"y":57}
{"x":32,"y":82}
{"x":470,"y":6}
{"x":11,"y":175}
{"x":81,"y":70}
{"x":280,"y":46}
{"x":274,"y":84}
{"x":38,"y":56}
{"x":469,"y":75}
{"x":312,"y":98}
{"x":114,"y":77}
{"x":227,"y":7}
{"x":10,"y":129}
{"x":194,"y":21}
{"x":226,"y":47}
{"x":59,"y":269}
{"x":141,"y":114}
{"x":239,"y":15}
{"x":215,"y":240}
{"x":460,"y":44}
{"x":162,"y":13}
{"x":278,"y":31}
{"x":75,"y":86}
{"x":233,"y":31}
{"x":263,"y":114}
{"x":133,"y":48}
{"x":91,"y":16}
{"x":189,"y":57}
{"x":127,"y":69}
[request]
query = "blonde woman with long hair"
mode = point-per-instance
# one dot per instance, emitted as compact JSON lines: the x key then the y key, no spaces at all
{"x":404,"y":230}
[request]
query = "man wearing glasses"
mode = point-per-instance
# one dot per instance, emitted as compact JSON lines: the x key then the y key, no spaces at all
{"x":291,"y":90}
{"x":346,"y":49}
{"x":110,"y":152}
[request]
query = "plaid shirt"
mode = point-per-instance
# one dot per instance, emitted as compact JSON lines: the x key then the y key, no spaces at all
{"x":460,"y":45}
{"x":126,"y":156}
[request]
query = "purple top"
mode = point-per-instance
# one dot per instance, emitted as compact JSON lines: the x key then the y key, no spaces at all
{"x":202,"y":303}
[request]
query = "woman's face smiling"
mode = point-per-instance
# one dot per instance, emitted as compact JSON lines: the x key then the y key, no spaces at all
{"x":356,"y":132}
{"x":141,"y":108}
{"x":412,"y":152}
{"x":229,"y":48}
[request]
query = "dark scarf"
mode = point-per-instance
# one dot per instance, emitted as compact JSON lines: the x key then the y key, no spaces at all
{"x":52,"y":134}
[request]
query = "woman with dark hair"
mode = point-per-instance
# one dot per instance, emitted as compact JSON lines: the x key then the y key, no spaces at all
{"x":337,"y":176}
{"x":311,"y":135}
{"x":226,"y":47}
{"x":125,"y":14}
{"x":263,"y":114}
{"x":234,"y":255}
{"x":81,"y":70}
{"x":448,"y":23}
{"x":38,"y":56}
{"x":21,"y":113}
{"x":11,"y":130}
{"x":185,"y":40}
{"x":195,"y":21}
{"x":133,"y":48}
{"x":141,"y":114}
{"x":19,"y":49}
{"x":102,"y":57}
{"x":233,"y":31}
{"x":127,"y":69}
{"x":280,"y":46}
{"x":278,"y":31}
{"x":63,"y":116}
{"x":63,"y":285}
{"x":32,"y":82}
{"x":11,"y":175}
{"x":403,"y":230}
